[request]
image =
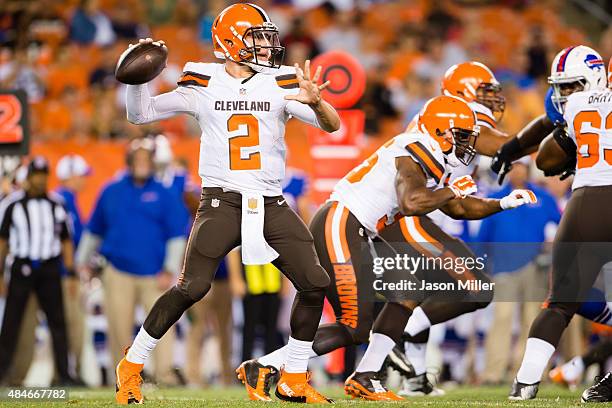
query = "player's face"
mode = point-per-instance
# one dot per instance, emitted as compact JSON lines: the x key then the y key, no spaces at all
{"x":490,"y":96}
{"x":264,"y":45}
{"x":263,"y":40}
{"x":570,"y":88}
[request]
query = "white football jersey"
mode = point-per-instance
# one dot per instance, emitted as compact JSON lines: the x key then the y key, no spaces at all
{"x":242,"y":147}
{"x":368,"y":191}
{"x":588,"y":116}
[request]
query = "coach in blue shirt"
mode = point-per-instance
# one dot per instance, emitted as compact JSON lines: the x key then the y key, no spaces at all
{"x":136,"y":225}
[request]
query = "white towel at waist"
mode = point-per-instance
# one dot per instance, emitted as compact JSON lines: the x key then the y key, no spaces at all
{"x":255,"y":249}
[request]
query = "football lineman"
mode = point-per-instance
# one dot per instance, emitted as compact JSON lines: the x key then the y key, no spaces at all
{"x":582,"y":243}
{"x":242,"y":106}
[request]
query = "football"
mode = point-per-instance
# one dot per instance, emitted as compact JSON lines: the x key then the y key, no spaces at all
{"x":141,"y":63}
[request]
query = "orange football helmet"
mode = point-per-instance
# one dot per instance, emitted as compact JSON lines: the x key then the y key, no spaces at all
{"x":242,"y":31}
{"x":452,"y":123}
{"x":474,"y":81}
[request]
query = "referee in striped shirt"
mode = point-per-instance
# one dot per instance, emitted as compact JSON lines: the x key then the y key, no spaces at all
{"x":35,"y":234}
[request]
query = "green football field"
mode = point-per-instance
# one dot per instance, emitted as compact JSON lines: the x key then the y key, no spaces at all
{"x":549,"y":396}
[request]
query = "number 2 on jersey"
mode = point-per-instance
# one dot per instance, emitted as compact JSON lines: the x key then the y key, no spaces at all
{"x":249,"y":139}
{"x":588,"y":142}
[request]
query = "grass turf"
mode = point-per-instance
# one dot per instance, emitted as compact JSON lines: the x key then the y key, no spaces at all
{"x":549,"y":396}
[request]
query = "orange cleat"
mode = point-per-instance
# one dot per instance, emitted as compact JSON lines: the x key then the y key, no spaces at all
{"x":127,"y":388}
{"x":368,"y":386}
{"x":256,"y":378}
{"x":294,"y":387}
{"x":556,"y":376}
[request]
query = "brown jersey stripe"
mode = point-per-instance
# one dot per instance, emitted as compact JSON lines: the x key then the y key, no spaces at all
{"x":192,"y":78}
{"x":288,"y":81}
{"x":483,"y":117}
{"x":286,"y":77}
{"x":195,"y":74}
{"x":429,"y":163}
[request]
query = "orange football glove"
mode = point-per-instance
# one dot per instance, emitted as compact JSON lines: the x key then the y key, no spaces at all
{"x":463,"y":186}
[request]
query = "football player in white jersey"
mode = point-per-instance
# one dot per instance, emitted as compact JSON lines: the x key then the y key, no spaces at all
{"x":476,"y":84}
{"x":407,"y":176}
{"x":583,"y":243}
{"x":242,"y":106}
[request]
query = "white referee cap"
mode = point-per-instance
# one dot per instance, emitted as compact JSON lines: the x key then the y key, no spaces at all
{"x":72,"y":165}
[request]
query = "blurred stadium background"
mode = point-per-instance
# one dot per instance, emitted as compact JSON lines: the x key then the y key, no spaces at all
{"x":63,"y":54}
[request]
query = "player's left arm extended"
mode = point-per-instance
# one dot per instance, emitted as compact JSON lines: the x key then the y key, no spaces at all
{"x":471,"y":208}
{"x":475,"y":208}
{"x":320,"y":112}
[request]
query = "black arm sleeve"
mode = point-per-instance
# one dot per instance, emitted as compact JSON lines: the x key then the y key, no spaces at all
{"x":564,"y":141}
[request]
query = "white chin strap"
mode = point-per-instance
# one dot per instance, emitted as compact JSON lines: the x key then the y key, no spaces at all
{"x":451,"y":158}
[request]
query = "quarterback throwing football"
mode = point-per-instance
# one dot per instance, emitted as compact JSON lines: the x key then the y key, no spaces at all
{"x":242,"y":107}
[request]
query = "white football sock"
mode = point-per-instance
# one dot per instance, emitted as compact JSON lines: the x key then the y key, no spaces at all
{"x":142,"y":347}
{"x":415,"y":353}
{"x":537,"y":354}
{"x":297,"y":354}
{"x":275,"y":359}
{"x":417,"y":322}
{"x":379,"y":348}
{"x":278,"y":357}
{"x":573,"y":369}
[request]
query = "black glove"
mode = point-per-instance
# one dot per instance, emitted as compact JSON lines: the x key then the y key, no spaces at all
{"x":502,"y":161}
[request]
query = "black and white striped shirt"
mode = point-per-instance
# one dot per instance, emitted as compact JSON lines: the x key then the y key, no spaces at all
{"x":34,"y":226}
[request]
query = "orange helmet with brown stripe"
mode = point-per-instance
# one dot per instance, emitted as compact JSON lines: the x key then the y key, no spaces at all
{"x":243,"y":33}
{"x":452,"y":123}
{"x":474,"y":81}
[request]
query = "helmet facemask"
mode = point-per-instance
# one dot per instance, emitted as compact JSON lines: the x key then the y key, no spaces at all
{"x":260,"y":38}
{"x":463,"y":143}
{"x":562,"y":88}
{"x":489,"y":95}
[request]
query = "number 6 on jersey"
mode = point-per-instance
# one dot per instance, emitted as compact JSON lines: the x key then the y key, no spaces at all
{"x":246,"y":127}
